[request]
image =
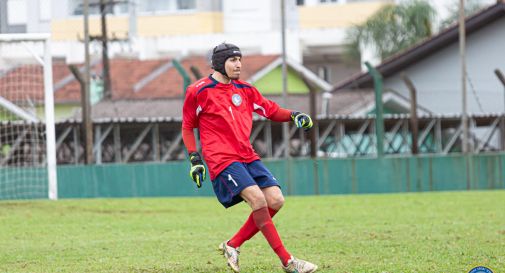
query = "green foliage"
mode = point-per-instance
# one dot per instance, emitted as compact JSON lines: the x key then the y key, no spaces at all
{"x":392,"y":29}
{"x":471,"y":7}
{"x":417,"y":232}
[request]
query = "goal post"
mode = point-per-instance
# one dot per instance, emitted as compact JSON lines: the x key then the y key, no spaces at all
{"x":27,"y":119}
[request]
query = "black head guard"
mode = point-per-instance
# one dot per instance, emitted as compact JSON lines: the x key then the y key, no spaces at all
{"x":221,"y":53}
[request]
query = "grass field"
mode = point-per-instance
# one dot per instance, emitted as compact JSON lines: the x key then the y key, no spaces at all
{"x":426,"y":232}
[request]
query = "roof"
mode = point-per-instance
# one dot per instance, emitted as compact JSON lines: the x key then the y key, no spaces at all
{"x":426,"y":47}
{"x":11,"y":85}
{"x":131,"y":78}
{"x":299,"y":68}
{"x":124,"y":74}
{"x":342,"y":103}
{"x":134,"y":79}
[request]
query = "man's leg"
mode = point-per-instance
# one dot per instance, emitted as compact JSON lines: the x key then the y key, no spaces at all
{"x":275,"y":200}
{"x":261,"y":217}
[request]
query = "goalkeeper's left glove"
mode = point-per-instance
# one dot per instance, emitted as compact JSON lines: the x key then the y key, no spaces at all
{"x":301,"y":120}
{"x":197,"y":171}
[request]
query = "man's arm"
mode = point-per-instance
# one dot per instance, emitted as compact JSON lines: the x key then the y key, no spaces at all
{"x":189,"y":139}
{"x":301,"y":120}
{"x":197,"y":171}
{"x":189,"y":121}
{"x":282,"y":115}
{"x":272,"y":111}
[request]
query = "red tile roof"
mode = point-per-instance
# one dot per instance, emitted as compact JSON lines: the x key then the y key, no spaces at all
{"x":170,"y":83}
{"x":19,"y":83}
{"x":125,"y":73}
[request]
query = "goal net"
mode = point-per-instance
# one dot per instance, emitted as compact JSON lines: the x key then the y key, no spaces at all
{"x":27,"y":130}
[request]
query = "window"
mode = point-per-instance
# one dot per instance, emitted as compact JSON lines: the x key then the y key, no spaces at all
{"x":154,"y":5}
{"x":186,"y":4}
{"x":77,"y":7}
{"x":122,"y":8}
{"x":16,"y":12}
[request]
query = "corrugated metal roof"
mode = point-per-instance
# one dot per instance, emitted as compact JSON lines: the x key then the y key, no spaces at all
{"x":343,"y":103}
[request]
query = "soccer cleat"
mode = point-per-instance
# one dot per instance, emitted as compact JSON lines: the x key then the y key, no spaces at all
{"x":231,"y":255}
{"x":299,"y":266}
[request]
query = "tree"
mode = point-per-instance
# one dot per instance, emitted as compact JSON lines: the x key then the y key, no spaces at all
{"x":471,"y":7}
{"x":391,"y":29}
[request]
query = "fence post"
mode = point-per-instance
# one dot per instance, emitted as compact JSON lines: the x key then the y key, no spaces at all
{"x":379,"y":120}
{"x":184,"y":74}
{"x":413,"y":112}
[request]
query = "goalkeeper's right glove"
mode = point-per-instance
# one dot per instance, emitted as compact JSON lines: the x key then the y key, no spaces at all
{"x":302,"y":120}
{"x":197,"y":171}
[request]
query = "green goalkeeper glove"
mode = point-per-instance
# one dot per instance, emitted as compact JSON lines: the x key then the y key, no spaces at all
{"x":301,"y":120}
{"x":197,"y":171}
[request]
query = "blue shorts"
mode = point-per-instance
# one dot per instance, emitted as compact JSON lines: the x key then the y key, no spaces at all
{"x":238,"y":176}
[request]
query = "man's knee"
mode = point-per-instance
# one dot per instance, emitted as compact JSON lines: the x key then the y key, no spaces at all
{"x":258,"y":202}
{"x":254,"y":197}
{"x":274,"y":198}
{"x":276,"y":201}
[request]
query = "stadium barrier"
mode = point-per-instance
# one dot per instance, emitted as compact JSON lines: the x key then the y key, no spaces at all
{"x":296,"y":176}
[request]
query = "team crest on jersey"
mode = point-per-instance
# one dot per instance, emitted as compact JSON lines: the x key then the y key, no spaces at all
{"x":236,"y":99}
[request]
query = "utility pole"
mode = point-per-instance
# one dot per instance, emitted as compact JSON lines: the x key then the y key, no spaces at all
{"x":104,"y":6}
{"x":464,"y":116}
{"x":105,"y":52}
{"x":285,"y":125}
{"x":85,"y":100}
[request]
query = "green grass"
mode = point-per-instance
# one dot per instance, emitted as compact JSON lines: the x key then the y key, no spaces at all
{"x":426,"y":232}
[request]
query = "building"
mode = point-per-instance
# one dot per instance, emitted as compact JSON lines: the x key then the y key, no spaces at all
{"x":152,"y":88}
{"x":176,"y":28}
{"x":23,"y":16}
{"x":150,"y":29}
{"x":434,"y":66}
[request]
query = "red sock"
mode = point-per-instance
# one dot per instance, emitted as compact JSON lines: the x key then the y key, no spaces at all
{"x":247,"y":231}
{"x":264,"y":223}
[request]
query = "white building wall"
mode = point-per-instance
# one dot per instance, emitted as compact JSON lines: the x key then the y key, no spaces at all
{"x":181,"y":46}
{"x":39,"y":16}
{"x":243,"y":16}
{"x":253,"y":25}
{"x":61,"y":10}
{"x":438,"y":77}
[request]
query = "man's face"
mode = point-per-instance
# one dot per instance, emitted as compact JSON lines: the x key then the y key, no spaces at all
{"x":232,"y":67}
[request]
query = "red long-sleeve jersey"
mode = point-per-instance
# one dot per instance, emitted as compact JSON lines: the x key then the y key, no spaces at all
{"x":223,"y":114}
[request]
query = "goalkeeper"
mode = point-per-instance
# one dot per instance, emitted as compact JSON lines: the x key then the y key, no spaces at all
{"x":221,"y":107}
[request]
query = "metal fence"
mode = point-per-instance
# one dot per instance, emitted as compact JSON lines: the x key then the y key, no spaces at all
{"x":160,"y":139}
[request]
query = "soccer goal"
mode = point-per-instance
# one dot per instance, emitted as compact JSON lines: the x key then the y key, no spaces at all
{"x":27,"y":129}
